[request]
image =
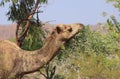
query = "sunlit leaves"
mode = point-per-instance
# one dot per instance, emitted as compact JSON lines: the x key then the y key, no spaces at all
{"x":44,"y":1}
{"x":34,"y":39}
{"x":20,"y":9}
{"x":2,"y":2}
{"x":14,"y":1}
{"x":116,"y":3}
{"x":110,"y":24}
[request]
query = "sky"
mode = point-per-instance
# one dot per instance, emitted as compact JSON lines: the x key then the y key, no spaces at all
{"x":71,"y":11}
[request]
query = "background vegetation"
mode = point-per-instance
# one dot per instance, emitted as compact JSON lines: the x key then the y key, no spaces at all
{"x":91,"y":54}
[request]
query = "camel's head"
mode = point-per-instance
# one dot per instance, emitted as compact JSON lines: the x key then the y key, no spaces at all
{"x":64,"y":32}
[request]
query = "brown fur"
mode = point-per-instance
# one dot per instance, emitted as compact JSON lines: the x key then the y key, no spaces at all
{"x":15,"y":62}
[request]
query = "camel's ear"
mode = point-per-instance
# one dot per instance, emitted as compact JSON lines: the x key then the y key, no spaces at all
{"x":58,"y":29}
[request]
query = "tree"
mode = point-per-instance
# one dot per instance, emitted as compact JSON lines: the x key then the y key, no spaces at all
{"x":21,"y":12}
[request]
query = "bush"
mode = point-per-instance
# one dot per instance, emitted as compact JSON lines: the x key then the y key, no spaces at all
{"x":91,"y":55}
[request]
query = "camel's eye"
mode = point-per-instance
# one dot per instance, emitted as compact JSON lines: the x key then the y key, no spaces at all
{"x":58,"y":29}
{"x":70,"y":30}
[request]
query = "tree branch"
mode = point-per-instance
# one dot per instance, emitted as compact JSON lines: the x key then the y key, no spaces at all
{"x":22,"y":37}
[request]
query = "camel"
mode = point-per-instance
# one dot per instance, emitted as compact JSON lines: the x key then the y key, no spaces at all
{"x":16,"y":62}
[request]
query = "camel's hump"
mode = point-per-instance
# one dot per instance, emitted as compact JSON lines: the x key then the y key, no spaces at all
{"x":7,"y":43}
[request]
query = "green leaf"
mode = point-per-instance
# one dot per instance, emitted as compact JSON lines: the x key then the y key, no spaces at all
{"x":2,"y":3}
{"x":63,"y":47}
{"x":14,"y":1}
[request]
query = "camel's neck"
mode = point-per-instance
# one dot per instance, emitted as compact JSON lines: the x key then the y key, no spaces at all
{"x":49,"y":50}
{"x":36,"y":59}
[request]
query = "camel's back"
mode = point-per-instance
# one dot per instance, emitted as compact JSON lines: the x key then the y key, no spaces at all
{"x":8,"y":48}
{"x":8,"y":52}
{"x":7,"y":43}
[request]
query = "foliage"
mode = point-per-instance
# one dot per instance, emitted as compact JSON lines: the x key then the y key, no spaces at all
{"x":21,"y":12}
{"x":113,"y":24}
{"x":48,"y":71}
{"x":92,"y":54}
{"x":34,"y":39}
{"x":91,"y":66}
{"x":20,"y":9}
{"x":92,"y":41}
{"x":2,"y":2}
{"x":116,"y":3}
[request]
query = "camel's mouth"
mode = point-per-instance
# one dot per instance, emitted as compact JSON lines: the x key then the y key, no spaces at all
{"x":77,"y":27}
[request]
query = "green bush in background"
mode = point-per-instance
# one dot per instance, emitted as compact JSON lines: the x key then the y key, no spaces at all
{"x":92,"y":55}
